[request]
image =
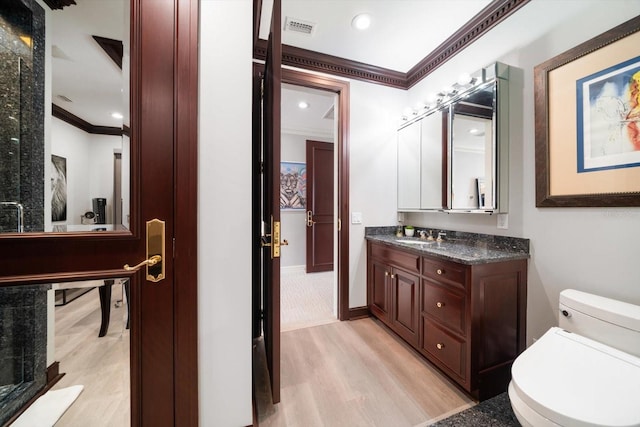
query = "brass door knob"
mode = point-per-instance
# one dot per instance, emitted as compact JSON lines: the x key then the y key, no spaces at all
{"x":439,"y":271}
{"x":439,"y":304}
{"x":439,"y":346}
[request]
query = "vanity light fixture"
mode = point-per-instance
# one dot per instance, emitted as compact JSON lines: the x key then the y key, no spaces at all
{"x":303,"y":105}
{"x":361,"y":21}
{"x":460,"y":89}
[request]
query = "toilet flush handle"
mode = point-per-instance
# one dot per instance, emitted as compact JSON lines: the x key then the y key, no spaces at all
{"x":565,"y":313}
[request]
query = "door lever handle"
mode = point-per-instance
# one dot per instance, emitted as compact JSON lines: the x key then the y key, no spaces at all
{"x":310,"y":220}
{"x":151,"y":261}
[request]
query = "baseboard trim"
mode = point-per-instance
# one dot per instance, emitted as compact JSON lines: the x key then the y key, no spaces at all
{"x":359,"y":312}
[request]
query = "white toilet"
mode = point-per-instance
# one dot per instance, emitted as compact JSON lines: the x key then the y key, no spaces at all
{"x":584,"y":373}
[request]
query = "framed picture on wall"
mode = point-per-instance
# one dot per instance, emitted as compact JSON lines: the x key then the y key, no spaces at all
{"x":58,"y":188}
{"x":587,"y":117}
{"x":293,"y":186}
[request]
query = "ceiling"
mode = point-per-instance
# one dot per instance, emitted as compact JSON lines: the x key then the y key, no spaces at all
{"x":402,"y":33}
{"x":81,"y":70}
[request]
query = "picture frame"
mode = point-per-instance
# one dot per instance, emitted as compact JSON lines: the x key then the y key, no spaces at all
{"x":293,"y":186}
{"x":582,"y":102}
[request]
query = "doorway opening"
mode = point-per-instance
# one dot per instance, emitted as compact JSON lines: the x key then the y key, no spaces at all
{"x":308,"y":207}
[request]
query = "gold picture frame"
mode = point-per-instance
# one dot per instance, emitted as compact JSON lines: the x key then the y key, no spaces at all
{"x":571,"y":124}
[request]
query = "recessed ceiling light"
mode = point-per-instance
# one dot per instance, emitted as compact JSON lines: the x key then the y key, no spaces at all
{"x":303,"y":105}
{"x":117,"y":115}
{"x":361,"y":21}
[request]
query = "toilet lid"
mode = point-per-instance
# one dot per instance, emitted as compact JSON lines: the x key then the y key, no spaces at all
{"x":571,"y":379}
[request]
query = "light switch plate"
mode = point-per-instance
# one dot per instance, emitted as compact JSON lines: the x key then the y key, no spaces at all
{"x":503,"y":221}
{"x":356,"y":217}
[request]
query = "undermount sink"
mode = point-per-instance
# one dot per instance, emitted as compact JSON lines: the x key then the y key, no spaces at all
{"x":414,"y":242}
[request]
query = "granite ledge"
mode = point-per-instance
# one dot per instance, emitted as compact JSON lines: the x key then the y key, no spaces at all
{"x":461,"y":247}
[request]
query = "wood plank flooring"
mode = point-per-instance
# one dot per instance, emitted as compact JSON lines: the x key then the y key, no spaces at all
{"x":354,"y":373}
{"x":100,"y":364}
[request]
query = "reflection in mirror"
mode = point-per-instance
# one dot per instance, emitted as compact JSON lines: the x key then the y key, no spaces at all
{"x":473,"y":155}
{"x":431,"y":170}
{"x":78,"y":328}
{"x":79,"y":174}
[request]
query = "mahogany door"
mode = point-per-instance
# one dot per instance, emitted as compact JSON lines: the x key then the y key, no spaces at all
{"x":270,"y":201}
{"x":320,"y":214}
{"x":163,"y":345}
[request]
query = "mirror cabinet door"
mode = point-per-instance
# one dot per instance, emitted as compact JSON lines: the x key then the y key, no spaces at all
{"x":434,"y":137}
{"x":409,"y":140}
{"x":75,"y":176}
{"x":473,"y":152}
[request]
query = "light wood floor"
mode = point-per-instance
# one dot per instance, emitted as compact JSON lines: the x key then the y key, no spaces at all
{"x":353,"y":373}
{"x":100,"y":364}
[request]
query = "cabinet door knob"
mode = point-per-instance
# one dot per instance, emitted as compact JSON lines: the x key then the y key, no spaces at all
{"x":386,"y":273}
{"x":439,"y":271}
{"x":393,"y":276}
{"x":439,"y":304}
{"x":440,"y":346}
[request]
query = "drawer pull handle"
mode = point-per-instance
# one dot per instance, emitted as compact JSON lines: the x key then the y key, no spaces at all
{"x":440,"y":346}
{"x":439,"y":271}
{"x":439,"y":304}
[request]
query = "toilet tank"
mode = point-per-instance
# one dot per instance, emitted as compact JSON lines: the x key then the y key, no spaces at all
{"x":605,"y":320}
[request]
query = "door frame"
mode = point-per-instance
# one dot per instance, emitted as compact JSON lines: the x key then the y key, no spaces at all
{"x":340,"y":88}
{"x":185,"y":261}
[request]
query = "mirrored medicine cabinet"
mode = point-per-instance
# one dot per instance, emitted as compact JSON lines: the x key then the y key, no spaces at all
{"x":453,"y":157}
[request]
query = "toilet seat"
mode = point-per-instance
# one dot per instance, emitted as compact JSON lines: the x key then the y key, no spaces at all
{"x":572,"y":380}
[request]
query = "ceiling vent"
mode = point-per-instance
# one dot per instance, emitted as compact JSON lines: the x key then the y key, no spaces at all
{"x":299,"y":26}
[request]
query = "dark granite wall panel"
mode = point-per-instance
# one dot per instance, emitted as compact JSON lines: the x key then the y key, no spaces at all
{"x":23,"y":346}
{"x":22,"y":96}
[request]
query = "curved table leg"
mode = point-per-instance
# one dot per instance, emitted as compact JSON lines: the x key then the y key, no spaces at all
{"x":127,"y":293}
{"x":105,"y":306}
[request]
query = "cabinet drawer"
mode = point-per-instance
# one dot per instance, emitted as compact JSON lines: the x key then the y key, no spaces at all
{"x":445,"y":306}
{"x":396,"y":257}
{"x":444,"y":271}
{"x":447,"y":349}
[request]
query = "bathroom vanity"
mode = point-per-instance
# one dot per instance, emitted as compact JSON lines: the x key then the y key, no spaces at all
{"x":460,"y":303}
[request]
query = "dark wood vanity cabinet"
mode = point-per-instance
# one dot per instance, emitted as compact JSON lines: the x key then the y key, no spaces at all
{"x":393,"y":290}
{"x":468,"y":320}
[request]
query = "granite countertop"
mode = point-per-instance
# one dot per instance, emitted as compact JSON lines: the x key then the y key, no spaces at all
{"x":461,"y":247}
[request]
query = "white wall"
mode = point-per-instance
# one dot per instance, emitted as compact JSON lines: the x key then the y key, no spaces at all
{"x":89,"y":168}
{"x":591,"y":249}
{"x":375,"y":113}
{"x":224,"y":214}
{"x":294,"y":226}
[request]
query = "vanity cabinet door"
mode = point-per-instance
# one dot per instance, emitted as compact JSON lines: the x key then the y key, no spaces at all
{"x":405,"y":300}
{"x":409,"y":167}
{"x":379,"y":277}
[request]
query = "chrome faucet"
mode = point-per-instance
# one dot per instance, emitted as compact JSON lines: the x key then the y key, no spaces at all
{"x":19,"y":212}
{"x":441,"y":236}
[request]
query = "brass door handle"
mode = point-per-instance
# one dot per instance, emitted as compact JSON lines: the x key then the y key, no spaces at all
{"x":151,"y":261}
{"x":310,"y":220}
{"x":155,"y":262}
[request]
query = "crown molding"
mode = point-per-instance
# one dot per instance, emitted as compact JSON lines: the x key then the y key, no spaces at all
{"x":489,"y":17}
{"x":59,"y":4}
{"x":73,"y":120}
{"x":113,"y":48}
